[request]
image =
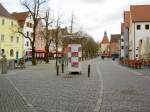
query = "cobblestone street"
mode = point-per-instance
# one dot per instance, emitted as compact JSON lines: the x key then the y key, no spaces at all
{"x":42,"y":90}
{"x":111,"y":88}
{"x":125,"y":89}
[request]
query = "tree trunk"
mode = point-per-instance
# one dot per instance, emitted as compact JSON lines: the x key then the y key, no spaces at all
{"x":33,"y":55}
{"x":56,"y":55}
{"x":47,"y":53}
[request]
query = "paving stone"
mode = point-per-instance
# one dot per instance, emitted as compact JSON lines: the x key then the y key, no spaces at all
{"x":49,"y":93}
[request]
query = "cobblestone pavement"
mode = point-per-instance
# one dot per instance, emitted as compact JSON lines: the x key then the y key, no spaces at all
{"x":124,"y":90}
{"x":111,"y":88}
{"x":45,"y":92}
{"x":10,"y":99}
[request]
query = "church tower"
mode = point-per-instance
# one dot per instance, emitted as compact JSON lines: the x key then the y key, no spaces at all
{"x":105,"y":45}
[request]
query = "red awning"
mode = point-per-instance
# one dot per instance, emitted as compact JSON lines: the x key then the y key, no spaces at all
{"x":40,"y":51}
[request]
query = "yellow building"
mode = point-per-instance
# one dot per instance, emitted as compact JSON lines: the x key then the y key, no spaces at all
{"x":11,"y":43}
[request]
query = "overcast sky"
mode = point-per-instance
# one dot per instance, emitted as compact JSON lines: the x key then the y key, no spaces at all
{"x":92,"y":16}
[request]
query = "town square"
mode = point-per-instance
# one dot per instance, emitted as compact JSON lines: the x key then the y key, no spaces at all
{"x":74,"y":56}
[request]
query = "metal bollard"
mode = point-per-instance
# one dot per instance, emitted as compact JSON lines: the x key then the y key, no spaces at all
{"x":57,"y":68}
{"x":89,"y":70}
{"x":62,"y":67}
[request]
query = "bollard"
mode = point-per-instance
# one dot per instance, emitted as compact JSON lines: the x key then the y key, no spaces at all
{"x":62,"y":67}
{"x":89,"y":70}
{"x":57,"y":70}
{"x":4,"y":65}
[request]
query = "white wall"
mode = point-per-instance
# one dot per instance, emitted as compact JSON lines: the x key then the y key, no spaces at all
{"x":122,"y":44}
{"x":139,"y":34}
{"x":25,"y":30}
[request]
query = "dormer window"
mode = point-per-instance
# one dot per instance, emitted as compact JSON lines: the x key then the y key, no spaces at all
{"x":146,"y":27}
{"x":138,"y":27}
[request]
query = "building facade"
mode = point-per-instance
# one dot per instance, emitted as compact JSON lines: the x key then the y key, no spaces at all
{"x":11,"y":43}
{"x":26,"y":23}
{"x":115,"y":44}
{"x":139,"y":32}
{"x":122,"y":52}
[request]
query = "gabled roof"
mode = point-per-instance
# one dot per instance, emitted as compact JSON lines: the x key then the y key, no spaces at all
{"x":115,"y":38}
{"x":20,"y":17}
{"x":126,"y":18}
{"x":140,"y":13}
{"x":4,"y":12}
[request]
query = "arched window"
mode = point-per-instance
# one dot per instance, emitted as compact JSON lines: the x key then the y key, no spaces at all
{"x":11,"y":52}
{"x":3,"y":51}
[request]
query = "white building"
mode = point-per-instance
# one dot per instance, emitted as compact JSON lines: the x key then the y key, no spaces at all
{"x":139,"y":31}
{"x":122,"y":52}
{"x":26,"y":22}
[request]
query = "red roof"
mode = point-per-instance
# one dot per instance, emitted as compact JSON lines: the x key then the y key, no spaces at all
{"x":140,"y":13}
{"x":40,"y":51}
{"x":4,"y":12}
{"x":20,"y":17}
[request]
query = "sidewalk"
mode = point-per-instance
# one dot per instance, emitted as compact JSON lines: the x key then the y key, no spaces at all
{"x":40,"y":89}
{"x":143,"y":70}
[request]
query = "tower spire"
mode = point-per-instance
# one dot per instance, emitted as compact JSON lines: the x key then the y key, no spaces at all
{"x":105,"y":33}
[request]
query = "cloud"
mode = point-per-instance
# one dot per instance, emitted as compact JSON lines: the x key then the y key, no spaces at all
{"x":94,"y":1}
{"x":93,"y":16}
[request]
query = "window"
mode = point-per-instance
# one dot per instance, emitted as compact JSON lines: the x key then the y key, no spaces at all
{"x":30,"y":25}
{"x":136,"y":55}
{"x":31,"y":34}
{"x":12,"y":39}
{"x":3,"y":21}
{"x":17,"y":54}
{"x":27,"y":33}
{"x":3,"y":51}
{"x":17,"y":41}
{"x":27,"y":43}
{"x":122,"y":47}
{"x":12,"y":23}
{"x":146,"y":27}
{"x":2,"y":38}
{"x":138,"y":27}
{"x":11,"y":52}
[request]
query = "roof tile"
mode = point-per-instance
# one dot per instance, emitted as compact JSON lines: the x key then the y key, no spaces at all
{"x":140,"y":13}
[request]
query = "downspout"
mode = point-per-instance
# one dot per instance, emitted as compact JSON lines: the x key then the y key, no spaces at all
{"x":128,"y":43}
{"x":134,"y":40}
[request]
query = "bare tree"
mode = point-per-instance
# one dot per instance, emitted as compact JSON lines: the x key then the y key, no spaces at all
{"x":47,"y":34}
{"x":56,"y":35}
{"x":33,"y":7}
